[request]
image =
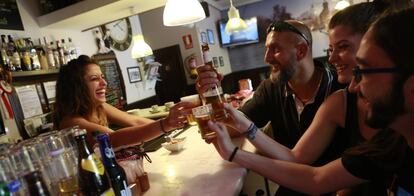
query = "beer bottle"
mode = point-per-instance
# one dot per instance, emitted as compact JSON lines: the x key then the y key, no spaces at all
{"x":92,"y":178}
{"x":116,"y":173}
{"x":214,"y":95}
{"x":36,"y":186}
{"x":4,"y":191}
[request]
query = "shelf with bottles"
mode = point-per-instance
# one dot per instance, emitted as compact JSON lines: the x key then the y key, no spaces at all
{"x":34,"y":72}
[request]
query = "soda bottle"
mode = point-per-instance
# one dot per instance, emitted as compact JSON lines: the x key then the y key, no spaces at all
{"x":116,"y":173}
{"x":92,"y":178}
{"x":214,"y":95}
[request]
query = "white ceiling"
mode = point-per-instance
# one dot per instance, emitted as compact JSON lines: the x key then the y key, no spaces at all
{"x":225,"y":4}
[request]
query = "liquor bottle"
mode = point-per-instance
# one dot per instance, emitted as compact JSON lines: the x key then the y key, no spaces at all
{"x":35,"y":61}
{"x":36,"y":186}
{"x":49,"y":54}
{"x":92,"y":178}
{"x":5,"y":60}
{"x":41,"y":53}
{"x":61,"y":53}
{"x":55,"y":56}
{"x":214,"y":95}
{"x":66,"y":52}
{"x":116,"y":173}
{"x":73,"y":50}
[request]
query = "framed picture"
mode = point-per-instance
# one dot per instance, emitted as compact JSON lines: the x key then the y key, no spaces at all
{"x":210,"y":36}
{"x":221,"y":61}
{"x":215,"y":62}
{"x":203,"y":37}
{"x":134,"y":74}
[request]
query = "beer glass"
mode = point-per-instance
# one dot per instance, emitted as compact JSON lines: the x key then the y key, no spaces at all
{"x":195,"y":99}
{"x":202,"y":115}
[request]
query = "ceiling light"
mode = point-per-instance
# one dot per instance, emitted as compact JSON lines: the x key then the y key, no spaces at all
{"x":341,"y":5}
{"x":182,"y":12}
{"x":235,"y":23}
{"x":140,"y":49}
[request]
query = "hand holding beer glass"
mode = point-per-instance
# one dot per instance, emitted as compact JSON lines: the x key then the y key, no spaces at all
{"x":195,"y":100}
{"x":202,"y":115}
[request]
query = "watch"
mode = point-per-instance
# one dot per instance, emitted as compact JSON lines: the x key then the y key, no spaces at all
{"x":118,"y":34}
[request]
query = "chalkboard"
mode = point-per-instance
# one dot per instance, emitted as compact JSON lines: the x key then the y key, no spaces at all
{"x":115,"y":90}
{"x":10,"y":16}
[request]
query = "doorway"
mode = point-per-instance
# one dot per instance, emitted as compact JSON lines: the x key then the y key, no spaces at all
{"x":173,"y":81}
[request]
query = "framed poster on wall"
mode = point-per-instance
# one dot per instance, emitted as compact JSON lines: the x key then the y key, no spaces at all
{"x":115,"y":89}
{"x":10,"y":16}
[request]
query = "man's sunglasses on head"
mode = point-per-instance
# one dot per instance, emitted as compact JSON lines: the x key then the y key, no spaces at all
{"x":280,"y":26}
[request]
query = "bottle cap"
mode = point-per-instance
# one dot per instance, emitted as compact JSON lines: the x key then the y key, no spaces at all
{"x":79,"y":132}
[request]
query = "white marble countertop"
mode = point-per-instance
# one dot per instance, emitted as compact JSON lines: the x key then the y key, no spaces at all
{"x":196,"y":170}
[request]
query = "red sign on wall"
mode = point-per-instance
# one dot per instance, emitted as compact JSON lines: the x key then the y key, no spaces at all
{"x":188,"y":42}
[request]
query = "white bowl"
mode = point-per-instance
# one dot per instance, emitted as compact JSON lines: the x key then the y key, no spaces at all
{"x":175,"y":145}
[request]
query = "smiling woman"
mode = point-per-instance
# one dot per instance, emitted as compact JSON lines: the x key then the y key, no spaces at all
{"x":80,"y":100}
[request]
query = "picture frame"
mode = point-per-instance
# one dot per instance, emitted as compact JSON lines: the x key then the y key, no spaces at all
{"x":215,"y":62}
{"x":221,"y":61}
{"x":134,"y":74}
{"x":210,"y":36}
{"x":203,"y":37}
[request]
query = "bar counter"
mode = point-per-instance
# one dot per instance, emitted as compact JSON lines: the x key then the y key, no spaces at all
{"x":197,"y":169}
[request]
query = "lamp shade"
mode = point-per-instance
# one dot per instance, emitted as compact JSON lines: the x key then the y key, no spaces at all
{"x":182,"y":12}
{"x":341,"y":5}
{"x":235,"y":23}
{"x":140,"y":48}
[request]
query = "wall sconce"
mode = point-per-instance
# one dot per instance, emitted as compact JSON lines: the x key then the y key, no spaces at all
{"x":235,"y":23}
{"x":140,"y":49}
{"x":182,"y":12}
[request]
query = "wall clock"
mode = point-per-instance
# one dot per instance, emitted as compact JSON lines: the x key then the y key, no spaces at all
{"x":119,"y":32}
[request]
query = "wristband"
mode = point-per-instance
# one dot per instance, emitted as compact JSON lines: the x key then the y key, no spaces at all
{"x":233,"y":154}
{"x":162,"y":125}
{"x":251,"y":132}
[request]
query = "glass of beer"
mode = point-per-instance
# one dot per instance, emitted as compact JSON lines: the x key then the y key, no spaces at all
{"x":202,"y":115}
{"x":195,"y":99}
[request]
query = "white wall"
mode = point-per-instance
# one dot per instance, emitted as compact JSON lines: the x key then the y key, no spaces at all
{"x":159,"y":36}
{"x":85,"y":40}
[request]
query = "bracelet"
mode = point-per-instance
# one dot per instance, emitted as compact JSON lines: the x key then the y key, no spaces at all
{"x":162,"y":125}
{"x":251,"y":131}
{"x":233,"y":154}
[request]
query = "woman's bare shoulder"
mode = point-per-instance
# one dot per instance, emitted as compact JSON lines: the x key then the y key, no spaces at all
{"x":72,"y":121}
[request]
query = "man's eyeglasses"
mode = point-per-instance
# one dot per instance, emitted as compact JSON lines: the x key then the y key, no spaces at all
{"x":280,"y":26}
{"x":358,"y":72}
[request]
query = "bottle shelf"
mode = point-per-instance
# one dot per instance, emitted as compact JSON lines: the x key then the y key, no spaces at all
{"x":34,"y":73}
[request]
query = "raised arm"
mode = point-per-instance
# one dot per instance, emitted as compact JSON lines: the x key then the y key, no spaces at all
{"x":300,"y":177}
{"x":122,"y":118}
{"x":311,"y":145}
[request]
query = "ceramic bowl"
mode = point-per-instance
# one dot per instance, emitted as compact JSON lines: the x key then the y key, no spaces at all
{"x":176,"y":144}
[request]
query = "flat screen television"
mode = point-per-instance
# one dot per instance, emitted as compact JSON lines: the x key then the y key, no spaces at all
{"x":250,"y":35}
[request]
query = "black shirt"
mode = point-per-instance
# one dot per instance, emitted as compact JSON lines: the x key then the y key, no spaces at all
{"x":385,"y":159}
{"x":274,"y":102}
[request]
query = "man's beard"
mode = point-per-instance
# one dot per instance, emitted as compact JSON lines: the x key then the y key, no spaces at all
{"x":283,"y":75}
{"x":382,"y":114}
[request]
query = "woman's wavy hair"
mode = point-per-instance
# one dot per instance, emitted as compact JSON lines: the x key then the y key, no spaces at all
{"x":72,"y":94}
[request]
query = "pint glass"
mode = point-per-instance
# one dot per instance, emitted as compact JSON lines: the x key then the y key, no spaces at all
{"x":195,"y":99}
{"x":202,"y":115}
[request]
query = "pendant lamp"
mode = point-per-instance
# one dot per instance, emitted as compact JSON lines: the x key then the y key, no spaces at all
{"x":140,"y":49}
{"x":182,"y":12}
{"x":235,"y":23}
{"x":342,"y":5}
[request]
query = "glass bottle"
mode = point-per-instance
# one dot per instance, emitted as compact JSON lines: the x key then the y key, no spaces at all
{"x":4,"y":191}
{"x":36,"y":186}
{"x":214,"y":95}
{"x":92,"y":178}
{"x":116,"y":173}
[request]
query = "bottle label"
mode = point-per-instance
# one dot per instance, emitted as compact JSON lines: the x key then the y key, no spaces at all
{"x":204,"y":110}
{"x":109,"y":192}
{"x":14,"y":186}
{"x":213,"y":92}
{"x":109,"y":153}
{"x":93,"y":164}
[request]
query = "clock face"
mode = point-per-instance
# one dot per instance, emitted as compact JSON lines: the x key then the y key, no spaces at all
{"x":120,"y":33}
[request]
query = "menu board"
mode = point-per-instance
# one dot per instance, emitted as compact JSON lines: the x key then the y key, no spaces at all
{"x":9,"y":15}
{"x":115,"y":90}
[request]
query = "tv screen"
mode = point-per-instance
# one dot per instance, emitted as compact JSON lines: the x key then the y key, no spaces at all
{"x":250,"y":35}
